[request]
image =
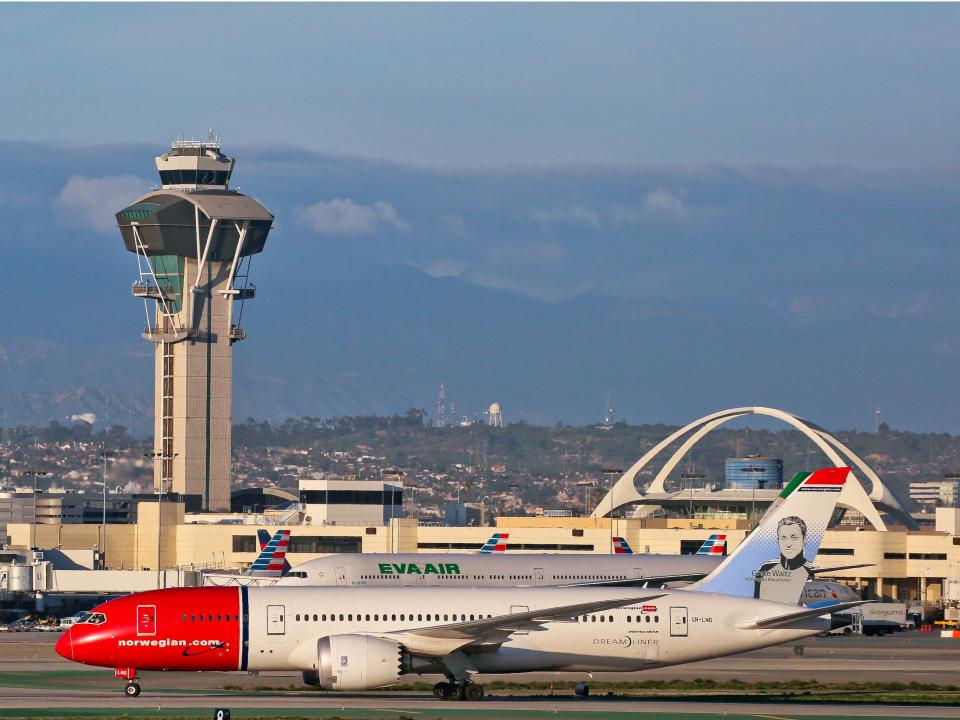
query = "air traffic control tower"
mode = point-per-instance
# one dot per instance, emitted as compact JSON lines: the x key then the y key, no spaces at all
{"x":194,"y":239}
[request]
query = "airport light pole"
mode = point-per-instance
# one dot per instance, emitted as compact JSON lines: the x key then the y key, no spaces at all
{"x":609,"y":471}
{"x":104,"y":455}
{"x":159,"y":456}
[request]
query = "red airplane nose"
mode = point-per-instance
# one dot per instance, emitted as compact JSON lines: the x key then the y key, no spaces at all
{"x":64,"y":646}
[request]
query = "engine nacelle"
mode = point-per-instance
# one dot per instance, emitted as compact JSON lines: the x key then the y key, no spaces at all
{"x":358,"y":662}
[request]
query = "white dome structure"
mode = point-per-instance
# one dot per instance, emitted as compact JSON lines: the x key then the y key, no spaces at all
{"x":880,"y":498}
{"x":495,"y":415}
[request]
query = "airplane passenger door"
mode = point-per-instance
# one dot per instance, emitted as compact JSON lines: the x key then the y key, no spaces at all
{"x":538,"y":576}
{"x":146,"y":620}
{"x":519,"y":609}
{"x":341,"y":573}
{"x":275,"y":621}
{"x":678,"y":622}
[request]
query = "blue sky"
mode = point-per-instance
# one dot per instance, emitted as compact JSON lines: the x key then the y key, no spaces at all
{"x":689,"y":206}
{"x":863,"y":85}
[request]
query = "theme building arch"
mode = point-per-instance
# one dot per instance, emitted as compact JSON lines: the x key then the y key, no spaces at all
{"x":854,"y":496}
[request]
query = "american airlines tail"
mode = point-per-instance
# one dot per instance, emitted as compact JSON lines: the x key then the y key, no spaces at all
{"x":774,"y":561}
{"x":714,"y":545}
{"x":272,"y":561}
{"x":496,"y":543}
{"x":620,"y":547}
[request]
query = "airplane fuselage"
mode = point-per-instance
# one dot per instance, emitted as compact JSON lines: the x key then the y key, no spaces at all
{"x":274,"y":628}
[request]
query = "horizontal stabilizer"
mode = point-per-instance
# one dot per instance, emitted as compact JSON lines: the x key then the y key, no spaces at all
{"x":804,"y":614}
{"x":838,"y":568}
{"x":646,"y":581}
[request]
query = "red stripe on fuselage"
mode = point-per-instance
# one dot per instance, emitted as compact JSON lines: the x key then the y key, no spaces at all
{"x":180,"y":641}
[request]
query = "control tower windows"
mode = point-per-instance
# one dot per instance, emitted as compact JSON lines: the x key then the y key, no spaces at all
{"x":194,"y":177}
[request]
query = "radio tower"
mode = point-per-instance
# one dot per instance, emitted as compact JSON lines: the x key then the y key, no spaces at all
{"x":194,"y":239}
{"x":441,"y":403}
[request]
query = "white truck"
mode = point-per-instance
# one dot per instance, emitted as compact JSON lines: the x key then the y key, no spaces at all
{"x":878,"y":618}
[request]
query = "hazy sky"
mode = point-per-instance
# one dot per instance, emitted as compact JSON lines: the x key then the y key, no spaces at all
{"x":434,"y":84}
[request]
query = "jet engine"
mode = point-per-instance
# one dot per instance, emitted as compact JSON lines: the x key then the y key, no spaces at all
{"x":357,"y":662}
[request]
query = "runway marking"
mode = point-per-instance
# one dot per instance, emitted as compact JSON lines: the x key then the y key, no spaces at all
{"x":773,"y":717}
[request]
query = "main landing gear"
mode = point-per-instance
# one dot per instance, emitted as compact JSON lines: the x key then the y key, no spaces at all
{"x":458,"y":691}
{"x":132,"y":689}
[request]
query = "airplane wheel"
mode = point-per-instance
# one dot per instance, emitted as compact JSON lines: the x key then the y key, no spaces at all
{"x":581,"y":690}
{"x":441,"y":690}
{"x":473,"y":692}
{"x":132,"y":689}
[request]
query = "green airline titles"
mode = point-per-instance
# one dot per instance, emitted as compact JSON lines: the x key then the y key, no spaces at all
{"x":412,"y":569}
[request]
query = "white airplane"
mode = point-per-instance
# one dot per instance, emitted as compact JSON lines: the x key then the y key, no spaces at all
{"x":344,"y":638}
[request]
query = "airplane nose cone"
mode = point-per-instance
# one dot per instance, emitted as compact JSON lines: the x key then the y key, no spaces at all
{"x":64,"y":646}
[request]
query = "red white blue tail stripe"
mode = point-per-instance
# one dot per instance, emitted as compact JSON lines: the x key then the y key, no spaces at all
{"x":620,"y":547}
{"x":272,"y":561}
{"x":714,"y":545}
{"x":496,"y":543}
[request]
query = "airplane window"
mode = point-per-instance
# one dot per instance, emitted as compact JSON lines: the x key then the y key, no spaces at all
{"x":648,"y":618}
{"x":420,"y":617}
{"x":444,"y":616}
{"x":656,"y":618}
{"x":193,"y":618}
{"x":227,"y":618}
{"x":471,"y":616}
{"x":236,"y":618}
{"x":210,"y":618}
{"x":401,"y":617}
{"x":323,"y":617}
{"x":593,"y":618}
{"x":462,"y":617}
{"x":201,"y":617}
{"x":219,"y":618}
{"x":184,"y":618}
{"x":428,"y":616}
{"x":95,"y":619}
{"x":368,"y":617}
{"x":611,"y":618}
{"x":602,"y":618}
{"x":341,"y":617}
{"x":628,"y":618}
{"x":350,"y":618}
{"x":393,"y":617}
{"x":376,"y":618}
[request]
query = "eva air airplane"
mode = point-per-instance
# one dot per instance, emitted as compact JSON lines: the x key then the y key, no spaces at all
{"x":357,"y":638}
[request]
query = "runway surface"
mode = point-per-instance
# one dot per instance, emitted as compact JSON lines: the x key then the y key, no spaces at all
{"x":34,"y":681}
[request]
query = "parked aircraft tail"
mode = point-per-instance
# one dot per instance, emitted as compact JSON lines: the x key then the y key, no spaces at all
{"x":714,"y":545}
{"x":496,"y":543}
{"x":774,"y":561}
{"x":272,"y":561}
{"x":620,"y":547}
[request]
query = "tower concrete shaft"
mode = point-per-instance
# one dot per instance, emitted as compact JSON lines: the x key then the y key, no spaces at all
{"x":194,"y":240}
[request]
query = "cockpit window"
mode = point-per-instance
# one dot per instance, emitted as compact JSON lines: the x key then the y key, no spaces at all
{"x":83,"y":617}
{"x":94,"y":619}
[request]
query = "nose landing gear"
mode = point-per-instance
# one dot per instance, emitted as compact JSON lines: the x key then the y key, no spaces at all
{"x":129,"y":674}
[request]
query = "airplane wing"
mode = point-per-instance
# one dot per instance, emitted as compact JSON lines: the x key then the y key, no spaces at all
{"x":804,"y":614}
{"x":638,"y":581}
{"x":837,"y":568}
{"x":438,"y":640}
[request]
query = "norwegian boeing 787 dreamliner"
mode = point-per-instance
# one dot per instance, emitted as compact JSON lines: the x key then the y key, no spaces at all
{"x":358,"y":638}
